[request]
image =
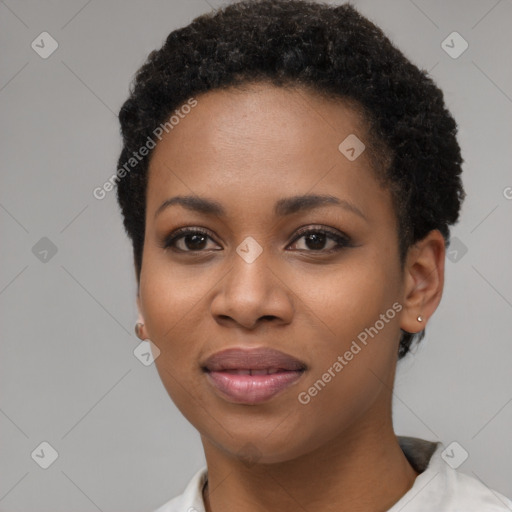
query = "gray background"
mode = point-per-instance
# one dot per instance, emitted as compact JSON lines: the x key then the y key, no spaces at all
{"x":68,"y":375}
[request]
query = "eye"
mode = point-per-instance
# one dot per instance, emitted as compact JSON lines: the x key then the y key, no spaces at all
{"x":316,"y":238}
{"x":194,"y":240}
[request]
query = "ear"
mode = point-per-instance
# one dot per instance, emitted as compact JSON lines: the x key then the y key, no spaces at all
{"x":140,"y":318}
{"x":424,"y":281}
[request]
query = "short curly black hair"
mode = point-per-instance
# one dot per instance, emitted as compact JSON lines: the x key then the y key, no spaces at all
{"x":331,"y":50}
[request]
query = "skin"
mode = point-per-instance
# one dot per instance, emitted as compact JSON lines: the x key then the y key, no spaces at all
{"x":247,"y":149}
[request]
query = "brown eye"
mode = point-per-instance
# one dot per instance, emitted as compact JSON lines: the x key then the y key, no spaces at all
{"x":316,"y":239}
{"x":192,"y":240}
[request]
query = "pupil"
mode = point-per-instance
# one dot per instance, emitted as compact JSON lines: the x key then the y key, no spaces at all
{"x":197,"y":241}
{"x":318,"y":240}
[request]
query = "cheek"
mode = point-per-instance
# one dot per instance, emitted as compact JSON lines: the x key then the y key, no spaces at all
{"x":355,"y":353}
{"x":171,"y":304}
{"x":347,"y":299}
{"x":170,"y":297}
{"x":355,"y":318}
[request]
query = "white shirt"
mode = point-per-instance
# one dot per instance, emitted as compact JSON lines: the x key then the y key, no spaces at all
{"x":438,"y":487}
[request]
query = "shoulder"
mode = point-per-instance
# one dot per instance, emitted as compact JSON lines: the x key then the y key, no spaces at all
{"x":441,"y":487}
{"x":191,"y":500}
{"x":464,"y":492}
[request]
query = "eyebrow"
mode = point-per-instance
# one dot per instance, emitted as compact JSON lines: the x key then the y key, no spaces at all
{"x":283,"y":207}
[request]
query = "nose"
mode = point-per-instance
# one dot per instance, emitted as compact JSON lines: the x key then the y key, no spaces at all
{"x":252,"y":293}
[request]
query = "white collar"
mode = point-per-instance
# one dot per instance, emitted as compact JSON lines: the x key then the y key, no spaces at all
{"x":437,"y":487}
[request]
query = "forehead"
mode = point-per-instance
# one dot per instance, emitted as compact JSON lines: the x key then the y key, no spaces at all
{"x":262,"y":115}
{"x":260,"y":142}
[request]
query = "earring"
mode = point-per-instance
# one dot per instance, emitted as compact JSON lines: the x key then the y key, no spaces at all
{"x":420,"y":318}
{"x":138,"y":330}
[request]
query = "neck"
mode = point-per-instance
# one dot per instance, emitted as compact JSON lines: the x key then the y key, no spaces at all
{"x":363,"y":470}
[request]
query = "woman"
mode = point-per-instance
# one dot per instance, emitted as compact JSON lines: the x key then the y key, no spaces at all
{"x":288,"y":179}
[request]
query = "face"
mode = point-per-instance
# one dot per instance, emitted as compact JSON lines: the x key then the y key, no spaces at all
{"x":251,"y":278}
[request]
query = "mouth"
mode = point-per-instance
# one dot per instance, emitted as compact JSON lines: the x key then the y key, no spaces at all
{"x":248,"y":386}
{"x":266,"y":371}
{"x":244,"y":376}
{"x":263,"y":359}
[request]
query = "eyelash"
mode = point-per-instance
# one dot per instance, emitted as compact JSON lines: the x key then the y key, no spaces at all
{"x":341,"y":240}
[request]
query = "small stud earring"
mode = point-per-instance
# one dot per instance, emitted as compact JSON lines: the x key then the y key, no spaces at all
{"x":138,"y":330}
{"x":420,"y":318}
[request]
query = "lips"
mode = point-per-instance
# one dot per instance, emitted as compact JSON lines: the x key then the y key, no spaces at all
{"x":244,"y":376}
{"x":252,"y":361}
